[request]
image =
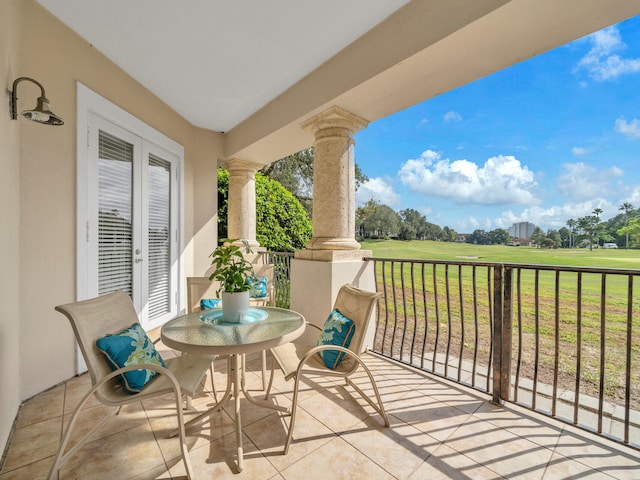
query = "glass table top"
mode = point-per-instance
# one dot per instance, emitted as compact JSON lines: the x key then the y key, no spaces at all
{"x":205,"y":332}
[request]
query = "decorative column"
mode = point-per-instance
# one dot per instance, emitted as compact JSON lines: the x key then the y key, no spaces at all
{"x":241,"y":213}
{"x":332,"y":257}
{"x":333,"y":235}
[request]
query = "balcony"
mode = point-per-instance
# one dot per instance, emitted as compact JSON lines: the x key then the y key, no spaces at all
{"x":439,"y":429}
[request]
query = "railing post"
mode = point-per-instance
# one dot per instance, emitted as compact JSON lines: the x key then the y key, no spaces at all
{"x":502,"y":302}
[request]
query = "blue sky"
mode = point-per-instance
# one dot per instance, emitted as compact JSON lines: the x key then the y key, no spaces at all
{"x":543,"y":141}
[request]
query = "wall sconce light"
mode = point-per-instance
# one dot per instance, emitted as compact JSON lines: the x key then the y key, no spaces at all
{"x":40,"y":113}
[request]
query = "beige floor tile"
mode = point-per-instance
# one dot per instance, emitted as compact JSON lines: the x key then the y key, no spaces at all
{"x":218,"y":460}
{"x":596,"y":453}
{"x":517,"y":421}
{"x":428,"y":415}
{"x":438,"y":430}
{"x":499,"y":450}
{"x":76,"y":388}
{"x":562,"y":468}
{"x":34,"y":471}
{"x":447,"y":464}
{"x":122,"y":455}
{"x":270,"y":433}
{"x":33,"y":443}
{"x":129,"y":417}
{"x":335,"y":460}
{"x":44,"y":406}
{"x":158,"y":473}
{"x":399,"y":449}
{"x":202,"y":433}
{"x":336,"y":408}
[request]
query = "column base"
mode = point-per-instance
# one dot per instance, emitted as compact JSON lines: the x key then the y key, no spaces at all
{"x":333,"y":243}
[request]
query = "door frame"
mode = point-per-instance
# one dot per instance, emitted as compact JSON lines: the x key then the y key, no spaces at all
{"x":88,"y":102}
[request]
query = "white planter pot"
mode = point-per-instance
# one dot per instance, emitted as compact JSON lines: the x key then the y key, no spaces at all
{"x":234,"y":306}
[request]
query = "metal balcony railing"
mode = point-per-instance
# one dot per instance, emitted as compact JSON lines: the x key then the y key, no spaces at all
{"x":563,"y":341}
{"x":281,"y":262}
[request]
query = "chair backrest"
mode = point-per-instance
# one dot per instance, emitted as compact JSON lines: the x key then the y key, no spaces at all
{"x":267,"y":270}
{"x":93,"y":319}
{"x":357,"y":305}
{"x":199,"y":288}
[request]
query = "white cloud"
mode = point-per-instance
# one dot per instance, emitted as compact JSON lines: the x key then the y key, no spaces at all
{"x":501,"y":180}
{"x":633,"y":198}
{"x":556,"y":216}
{"x":452,"y":117}
{"x":377,"y":189}
{"x":601,"y":62}
{"x":628,"y":129}
{"x":583,"y":182}
{"x":580,"y":151}
{"x":422,"y":122}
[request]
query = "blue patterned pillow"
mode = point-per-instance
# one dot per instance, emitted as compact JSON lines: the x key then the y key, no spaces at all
{"x":132,"y":346}
{"x":258,"y":286}
{"x":209,"y":303}
{"x":337,"y":330}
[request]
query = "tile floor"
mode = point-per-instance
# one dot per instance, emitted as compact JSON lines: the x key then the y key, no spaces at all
{"x":439,"y":430}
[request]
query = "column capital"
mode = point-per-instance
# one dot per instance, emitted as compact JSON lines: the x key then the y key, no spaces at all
{"x":335,"y":117}
{"x":237,"y":164}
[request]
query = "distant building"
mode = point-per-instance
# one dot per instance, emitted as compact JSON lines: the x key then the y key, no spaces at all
{"x":521,"y":230}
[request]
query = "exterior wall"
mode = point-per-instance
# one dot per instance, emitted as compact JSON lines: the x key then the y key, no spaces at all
{"x":57,"y":57}
{"x":10,"y":224}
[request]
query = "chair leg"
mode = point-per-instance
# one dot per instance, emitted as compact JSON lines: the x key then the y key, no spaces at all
{"x":61,"y":458}
{"x":213,"y":384}
{"x":294,"y":409}
{"x":379,"y":407}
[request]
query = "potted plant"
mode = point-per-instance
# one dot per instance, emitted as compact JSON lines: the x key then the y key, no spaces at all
{"x":232,"y":270}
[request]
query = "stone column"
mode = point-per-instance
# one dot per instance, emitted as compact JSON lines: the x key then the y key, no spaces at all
{"x":241,"y":214}
{"x":333,"y":235}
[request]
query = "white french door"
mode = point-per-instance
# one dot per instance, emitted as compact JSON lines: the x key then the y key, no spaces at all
{"x":132,"y":227}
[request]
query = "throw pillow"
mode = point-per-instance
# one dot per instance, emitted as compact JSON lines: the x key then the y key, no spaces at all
{"x":337,"y":330}
{"x":209,"y":303}
{"x":258,"y":286}
{"x":131,"y":346}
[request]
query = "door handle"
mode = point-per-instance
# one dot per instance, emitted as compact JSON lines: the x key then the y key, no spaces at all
{"x":138,"y":260}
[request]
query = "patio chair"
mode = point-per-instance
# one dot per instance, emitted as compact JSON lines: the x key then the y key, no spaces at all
{"x":297,"y":360}
{"x":105,"y":317}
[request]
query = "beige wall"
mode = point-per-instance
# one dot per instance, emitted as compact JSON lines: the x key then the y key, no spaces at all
{"x":38,"y":180}
{"x":9,"y":224}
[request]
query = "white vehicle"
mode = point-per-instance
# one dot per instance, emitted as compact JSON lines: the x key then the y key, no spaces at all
{"x":609,"y":245}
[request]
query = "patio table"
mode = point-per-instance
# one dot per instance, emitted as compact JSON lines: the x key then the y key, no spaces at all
{"x":205,"y":333}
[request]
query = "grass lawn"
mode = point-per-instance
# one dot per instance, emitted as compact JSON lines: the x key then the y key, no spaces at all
{"x":429,"y":250}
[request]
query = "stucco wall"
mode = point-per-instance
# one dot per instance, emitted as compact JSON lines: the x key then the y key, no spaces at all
{"x":57,"y":57}
{"x":9,"y":224}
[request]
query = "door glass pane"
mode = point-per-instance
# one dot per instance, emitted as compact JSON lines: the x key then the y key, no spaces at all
{"x":159,"y":231}
{"x":115,"y":234}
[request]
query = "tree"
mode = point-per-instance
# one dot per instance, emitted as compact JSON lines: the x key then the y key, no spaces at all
{"x":282,"y":224}
{"x":295,"y":173}
{"x":478,"y":237}
{"x":362,"y":213}
{"x":571,"y":223}
{"x":626,"y":207}
{"x":553,"y":238}
{"x":448,"y":234}
{"x":499,"y":236}
{"x":565,"y":237}
{"x":382,"y":223}
{"x":538,"y":236}
{"x":631,"y":229}
{"x":414,"y":225}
